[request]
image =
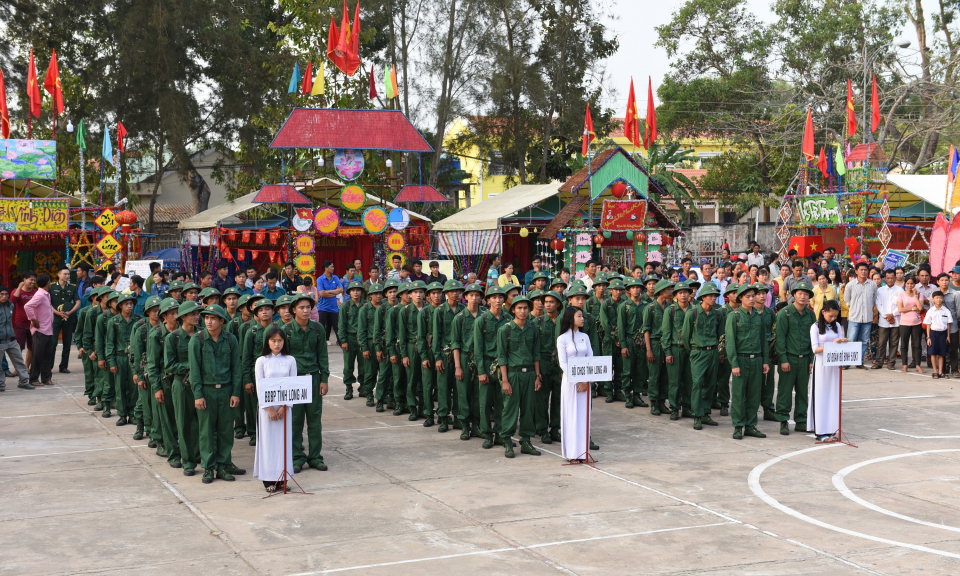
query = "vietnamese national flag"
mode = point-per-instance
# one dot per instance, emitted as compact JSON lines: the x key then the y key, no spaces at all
{"x":33,"y":88}
{"x":806,"y":245}
{"x":588,"y":133}
{"x":4,"y":114}
{"x":807,"y":147}
{"x":373,"y":84}
{"x":651,"y":120}
{"x":631,"y":122}
{"x":851,"y":115}
{"x":121,"y":133}
{"x":307,"y":85}
{"x":52,"y":84}
{"x":876,"y":106}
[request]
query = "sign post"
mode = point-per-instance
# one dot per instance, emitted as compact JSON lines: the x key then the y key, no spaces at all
{"x":280,"y":392}
{"x":589,"y":369}
{"x":840,"y":355}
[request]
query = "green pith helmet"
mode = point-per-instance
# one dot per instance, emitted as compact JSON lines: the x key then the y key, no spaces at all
{"x":731,"y":287}
{"x":403,"y":287}
{"x":761,"y":287}
{"x":190,"y":286}
{"x":436,"y":286}
{"x":375,"y":289}
{"x":125,"y":298}
{"x":576,"y":290}
{"x":417,"y":285}
{"x":243,"y":301}
{"x":631,"y":282}
{"x":616,"y":284}
{"x":473,"y":287}
{"x":215,"y":310}
{"x":187,"y":307}
{"x":661,"y":286}
{"x":741,"y":291}
{"x":355,"y":284}
{"x":261,"y":303}
{"x":803,"y":285}
{"x":556,"y":282}
{"x":152,"y":302}
{"x":252,"y":299}
{"x":113,"y":295}
{"x":208,"y":292}
{"x":288,"y":300}
{"x":602,"y":280}
{"x":709,"y":289}
{"x":391,"y":283}
{"x":509,"y":287}
{"x":168,"y":304}
{"x":495,"y":291}
{"x":681,"y":286}
{"x":552,"y":294}
{"x":450,"y":285}
{"x":542,"y":274}
{"x":174,"y":286}
{"x":98,"y":292}
{"x":534,"y":294}
{"x":518,"y":300}
{"x":232,"y":291}
{"x":650,"y":278}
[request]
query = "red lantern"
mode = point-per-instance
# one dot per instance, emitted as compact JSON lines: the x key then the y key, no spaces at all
{"x":557,"y":244}
{"x":618,"y":190}
{"x":598,"y":239}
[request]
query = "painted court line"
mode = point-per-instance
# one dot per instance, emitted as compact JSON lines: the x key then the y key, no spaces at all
{"x":508,"y":549}
{"x":918,"y":437}
{"x":373,"y":428}
{"x":890,"y":398}
{"x":72,"y":452}
{"x":41,"y":415}
{"x":754,"y":482}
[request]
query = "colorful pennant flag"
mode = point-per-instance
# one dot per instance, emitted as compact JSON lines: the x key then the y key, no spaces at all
{"x":294,"y":79}
{"x":319,"y":84}
{"x":121,"y":133}
{"x":4,"y":114}
{"x":631,"y":122}
{"x":851,"y":114}
{"x":33,"y":88}
{"x":107,"y":146}
{"x":953,"y":159}
{"x":343,"y":44}
{"x":388,"y":84}
{"x":52,"y":84}
{"x":651,"y":120}
{"x":807,"y":146}
{"x":876,"y":106}
{"x":841,"y":164}
{"x":588,"y":133}
{"x":393,"y":81}
{"x":822,"y":164}
{"x":307,"y":85}
{"x":373,"y":84}
{"x":82,"y":136}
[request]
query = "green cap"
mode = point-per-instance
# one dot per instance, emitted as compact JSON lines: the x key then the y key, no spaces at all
{"x":744,"y":289}
{"x":662,"y":285}
{"x":803,"y":285}
{"x":534,"y":294}
{"x":555,"y":282}
{"x":709,"y":289}
{"x":552,"y":294}
{"x":680,"y":286}
{"x":417,"y":285}
{"x":208,"y":292}
{"x":168,"y":304}
{"x":251,"y":298}
{"x":355,"y":284}
{"x":113,"y":294}
{"x":187,"y":307}
{"x":243,"y":301}
{"x":450,"y":286}
{"x":261,"y":303}
{"x":126,"y":297}
{"x":731,"y":287}
{"x":152,"y":302}
{"x":98,"y":292}
{"x":215,"y":310}
{"x":761,"y":287}
{"x":520,"y":299}
{"x":289,"y":299}
{"x":175,"y":285}
{"x":375,"y":289}
{"x":650,"y":278}
{"x":617,"y":284}
{"x":576,"y":290}
{"x":402,"y":287}
{"x":541,"y":274}
{"x":391,"y":283}
{"x":474,"y":287}
{"x":232,"y":291}
{"x":601,"y":279}
{"x":190,"y":286}
{"x":631,"y":282}
{"x":494,"y":290}
{"x":509,"y":287}
{"x":433,"y":286}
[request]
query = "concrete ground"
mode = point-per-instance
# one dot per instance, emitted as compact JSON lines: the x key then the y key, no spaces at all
{"x":79,"y":496}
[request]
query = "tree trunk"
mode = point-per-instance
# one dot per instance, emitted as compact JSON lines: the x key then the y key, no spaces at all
{"x":199,"y":190}
{"x":446,"y":85}
{"x":555,"y":78}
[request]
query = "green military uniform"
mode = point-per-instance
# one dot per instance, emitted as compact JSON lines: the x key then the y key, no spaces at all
{"x":657,"y":368}
{"x":384,"y":392}
{"x":309,"y":347}
{"x":146,"y":403}
{"x":366,"y":337}
{"x":468,"y":387}
{"x":610,"y":340}
{"x":394,"y":349}
{"x":645,"y":300}
{"x":159,"y":381}
{"x":769,"y":386}
{"x":547,"y":416}
{"x":83,"y":333}
{"x":519,"y":350}
{"x":490,"y":402}
{"x":252,"y":348}
{"x":428,"y":375}
{"x":63,"y":299}
{"x":442,"y":346}
{"x":700,"y":335}
{"x":347,"y":321}
{"x":629,"y":323}
{"x":105,"y":390}
{"x":215,"y":378}
{"x":176,"y":363}
{"x":245,"y":415}
{"x":593,"y":307}
{"x":793,"y":349}
{"x":681,"y":377}
{"x":722,"y":399}
{"x":408,"y":318}
{"x":118,"y":334}
{"x":746,"y":350}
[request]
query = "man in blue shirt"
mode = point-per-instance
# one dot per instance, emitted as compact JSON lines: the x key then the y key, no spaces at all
{"x":329,"y":287}
{"x":537,"y":267}
{"x":272,"y":291}
{"x":136,"y":288}
{"x":83,"y":283}
{"x":240,"y":283}
{"x":222,"y":280}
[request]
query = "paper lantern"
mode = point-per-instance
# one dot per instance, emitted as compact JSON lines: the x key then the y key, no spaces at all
{"x":618,"y":190}
{"x":126,"y":217}
{"x":606,"y":234}
{"x":598,"y":239}
{"x":524,"y":232}
{"x":557,"y":244}
{"x":629,"y":235}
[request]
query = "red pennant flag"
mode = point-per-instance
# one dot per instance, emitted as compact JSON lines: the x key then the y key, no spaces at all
{"x":254,"y":253}
{"x":307,"y":86}
{"x":876,"y":107}
{"x":822,"y":164}
{"x":227,"y":254}
{"x":273,"y":257}
{"x":343,"y":42}
{"x":261,"y":237}
{"x":121,"y":132}
{"x":353,"y":49}
{"x":807,"y":147}
{"x":241,"y":254}
{"x":274,"y":237}
{"x":631,"y":122}
{"x":332,"y":37}
{"x":33,"y":88}
{"x":651,"y":120}
{"x":851,"y":114}
{"x":52,"y":84}
{"x":4,"y":114}
{"x":246,"y":236}
{"x":588,"y":133}
{"x":373,"y":84}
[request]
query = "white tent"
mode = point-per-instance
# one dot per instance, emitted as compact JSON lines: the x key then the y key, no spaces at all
{"x":931,"y":188}
{"x":487,"y":214}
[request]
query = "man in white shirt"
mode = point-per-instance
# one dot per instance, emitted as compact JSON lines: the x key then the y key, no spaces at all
{"x":756,"y":258}
{"x":926,"y":288}
{"x":590,"y":274}
{"x":886,"y":303}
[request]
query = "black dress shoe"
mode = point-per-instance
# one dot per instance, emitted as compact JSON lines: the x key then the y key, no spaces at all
{"x":64,"y":371}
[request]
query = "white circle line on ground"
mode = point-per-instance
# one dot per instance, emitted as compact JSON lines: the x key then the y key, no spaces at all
{"x":754,"y":482}
{"x":842,"y":487}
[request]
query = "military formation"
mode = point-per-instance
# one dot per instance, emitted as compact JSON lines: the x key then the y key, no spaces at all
{"x":483,"y":362}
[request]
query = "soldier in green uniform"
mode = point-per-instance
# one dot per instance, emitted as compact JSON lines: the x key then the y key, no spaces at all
{"x":407,"y":334}
{"x":250,"y":350}
{"x":464,"y":362}
{"x":93,"y":297}
{"x":138,"y":363}
{"x":161,"y":384}
{"x":652,"y":338}
{"x":396,"y":353}
{"x":442,"y":346}
{"x":722,"y":399}
{"x":427,"y":365}
{"x":518,"y":357}
{"x":540,"y":280}
{"x":650,"y":288}
{"x":485,"y":354}
{"x":577,"y":296}
{"x":239,"y":327}
{"x":88,"y":336}
{"x":383,"y":347}
{"x":231,"y":302}
{"x":175,"y":291}
{"x":547,"y":415}
{"x":283,"y":310}
{"x":118,"y":339}
{"x":366,"y":337}
{"x":700,"y":335}
{"x":176,"y":363}
{"x":629,"y":323}
{"x":190,"y":292}
{"x":348,"y":318}
{"x":675,"y":356}
{"x":105,"y":387}
{"x":610,"y":338}
{"x":307,"y":342}
{"x":769,"y":321}
{"x":511,"y":291}
{"x":795,"y":357}
{"x":65,"y":303}
{"x":214,"y":357}
{"x":536,"y":298}
{"x":592,"y":307}
{"x":209,"y":297}
{"x":747,"y":353}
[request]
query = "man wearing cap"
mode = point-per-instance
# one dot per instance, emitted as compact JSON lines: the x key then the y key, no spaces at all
{"x":652,"y":327}
{"x":138,"y":363}
{"x":365,"y":338}
{"x":592,"y":306}
{"x":251,"y":349}
{"x":795,"y":357}
{"x":165,"y":420}
{"x":283,"y":310}
{"x":214,"y":358}
{"x":485,"y":353}
{"x":176,"y":363}
{"x":769,"y":321}
{"x":629,"y":322}
{"x":464,"y":364}
{"x":190,"y":292}
{"x":747,"y":351}
{"x":82,"y":335}
{"x":382,"y":346}
{"x":175,"y":291}
{"x":118,"y":338}
{"x":427,"y":364}
{"x":407,"y":318}
{"x":442,"y":346}
{"x":231,"y":299}
{"x":349,"y":316}
{"x":954,"y":279}
{"x":397,"y":352}
{"x":209,"y":296}
{"x":107,"y":390}
{"x":518,"y":358}
{"x":536,"y":298}
{"x":547,"y":415}
{"x":675,"y":355}
{"x":540,"y":280}
{"x":722,"y":399}
{"x":700,"y":337}
{"x":307,"y":342}
{"x":610,"y":341}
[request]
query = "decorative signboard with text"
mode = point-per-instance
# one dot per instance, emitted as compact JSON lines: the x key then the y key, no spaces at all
{"x":34,"y":215}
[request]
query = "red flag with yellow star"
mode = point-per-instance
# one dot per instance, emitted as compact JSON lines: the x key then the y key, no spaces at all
{"x":806,"y":245}
{"x":588,"y":133}
{"x":52,"y":84}
{"x":631,"y":122}
{"x":807,"y":147}
{"x":33,"y":88}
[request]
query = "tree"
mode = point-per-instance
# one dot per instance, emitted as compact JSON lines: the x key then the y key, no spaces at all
{"x":659,"y":164}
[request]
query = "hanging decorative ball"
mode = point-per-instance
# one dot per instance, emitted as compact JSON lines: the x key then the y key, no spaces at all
{"x":641,"y":237}
{"x":618,"y":190}
{"x":630,"y":235}
{"x":524,"y":232}
{"x":555,"y":244}
{"x":606,"y":234}
{"x":598,"y":239}
{"x":125,"y":217}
